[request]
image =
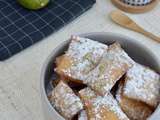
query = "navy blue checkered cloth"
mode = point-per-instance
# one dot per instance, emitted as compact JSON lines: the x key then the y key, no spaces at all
{"x":21,"y":28}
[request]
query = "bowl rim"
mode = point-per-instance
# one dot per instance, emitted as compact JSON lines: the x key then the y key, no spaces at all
{"x":48,"y":59}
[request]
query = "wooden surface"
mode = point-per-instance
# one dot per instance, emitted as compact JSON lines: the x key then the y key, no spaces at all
{"x":135,"y":9}
{"x":20,"y":75}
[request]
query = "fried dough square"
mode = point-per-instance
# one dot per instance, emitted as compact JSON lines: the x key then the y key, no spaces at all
{"x":112,"y":67}
{"x":135,"y":110}
{"x":101,"y":108}
{"x":142,"y":84}
{"x":65,"y":101}
{"x":81,"y":57}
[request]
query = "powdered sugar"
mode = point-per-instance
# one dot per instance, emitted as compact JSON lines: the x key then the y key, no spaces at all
{"x":143,"y":84}
{"x":85,"y":54}
{"x":113,"y":65}
{"x":116,"y":53}
{"x":109,"y":103}
{"x":97,"y":104}
{"x":134,"y":109}
{"x":100,"y":69}
{"x":87,"y":94}
{"x":65,"y":101}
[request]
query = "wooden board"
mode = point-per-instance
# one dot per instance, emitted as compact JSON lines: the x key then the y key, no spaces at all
{"x":134,"y":9}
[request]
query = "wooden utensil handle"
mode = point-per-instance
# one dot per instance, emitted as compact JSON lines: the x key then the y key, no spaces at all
{"x":152,"y":36}
{"x":146,"y":33}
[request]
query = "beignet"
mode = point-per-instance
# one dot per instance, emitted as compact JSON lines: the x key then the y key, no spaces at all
{"x":142,"y":84}
{"x":65,"y":101}
{"x":102,"y":108}
{"x":135,"y":110}
{"x":112,"y":67}
{"x":81,"y":57}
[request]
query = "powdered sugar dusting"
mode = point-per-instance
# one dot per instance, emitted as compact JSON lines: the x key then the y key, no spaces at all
{"x":134,"y":109}
{"x":112,"y":66}
{"x":83,"y":115}
{"x":109,"y":103}
{"x":143,"y":84}
{"x":116,"y":53}
{"x":87,"y":94}
{"x":85,"y":54}
{"x":65,"y":101}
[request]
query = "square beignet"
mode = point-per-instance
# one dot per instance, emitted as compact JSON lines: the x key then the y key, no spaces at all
{"x":142,"y":84}
{"x":101,"y":108}
{"x":65,"y":101}
{"x":82,"y":115}
{"x":81,"y":57}
{"x":112,"y":67}
{"x":135,"y":110}
{"x":87,"y":94}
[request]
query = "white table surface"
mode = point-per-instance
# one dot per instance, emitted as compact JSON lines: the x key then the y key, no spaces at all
{"x":20,"y":75}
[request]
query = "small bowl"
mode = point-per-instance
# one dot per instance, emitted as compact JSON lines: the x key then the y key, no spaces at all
{"x":137,"y":51}
{"x":135,"y":6}
{"x":137,"y":2}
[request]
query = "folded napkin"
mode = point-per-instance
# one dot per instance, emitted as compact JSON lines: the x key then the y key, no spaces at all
{"x":21,"y":28}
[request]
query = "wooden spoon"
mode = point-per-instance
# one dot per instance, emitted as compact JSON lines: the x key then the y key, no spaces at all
{"x":124,"y":21}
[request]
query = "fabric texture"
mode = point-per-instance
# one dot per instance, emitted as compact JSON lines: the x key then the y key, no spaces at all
{"x":21,"y":28}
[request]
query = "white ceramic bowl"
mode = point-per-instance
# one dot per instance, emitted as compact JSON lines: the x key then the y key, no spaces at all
{"x":137,"y":51}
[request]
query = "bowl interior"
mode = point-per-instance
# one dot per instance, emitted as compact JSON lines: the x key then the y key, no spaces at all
{"x":136,"y":51}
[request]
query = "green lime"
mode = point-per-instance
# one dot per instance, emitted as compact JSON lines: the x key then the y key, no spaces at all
{"x":33,"y":4}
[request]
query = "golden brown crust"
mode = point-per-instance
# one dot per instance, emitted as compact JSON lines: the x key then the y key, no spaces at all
{"x":81,"y":57}
{"x":101,"y":108}
{"x":134,"y":109}
{"x":142,"y":84}
{"x":111,"y":68}
{"x":63,"y":62}
{"x":59,"y":59}
{"x":87,"y":94}
{"x":65,"y":100}
{"x":103,"y":113}
{"x":94,"y":83}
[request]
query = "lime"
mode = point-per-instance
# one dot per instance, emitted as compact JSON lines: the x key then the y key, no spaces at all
{"x":33,"y":4}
